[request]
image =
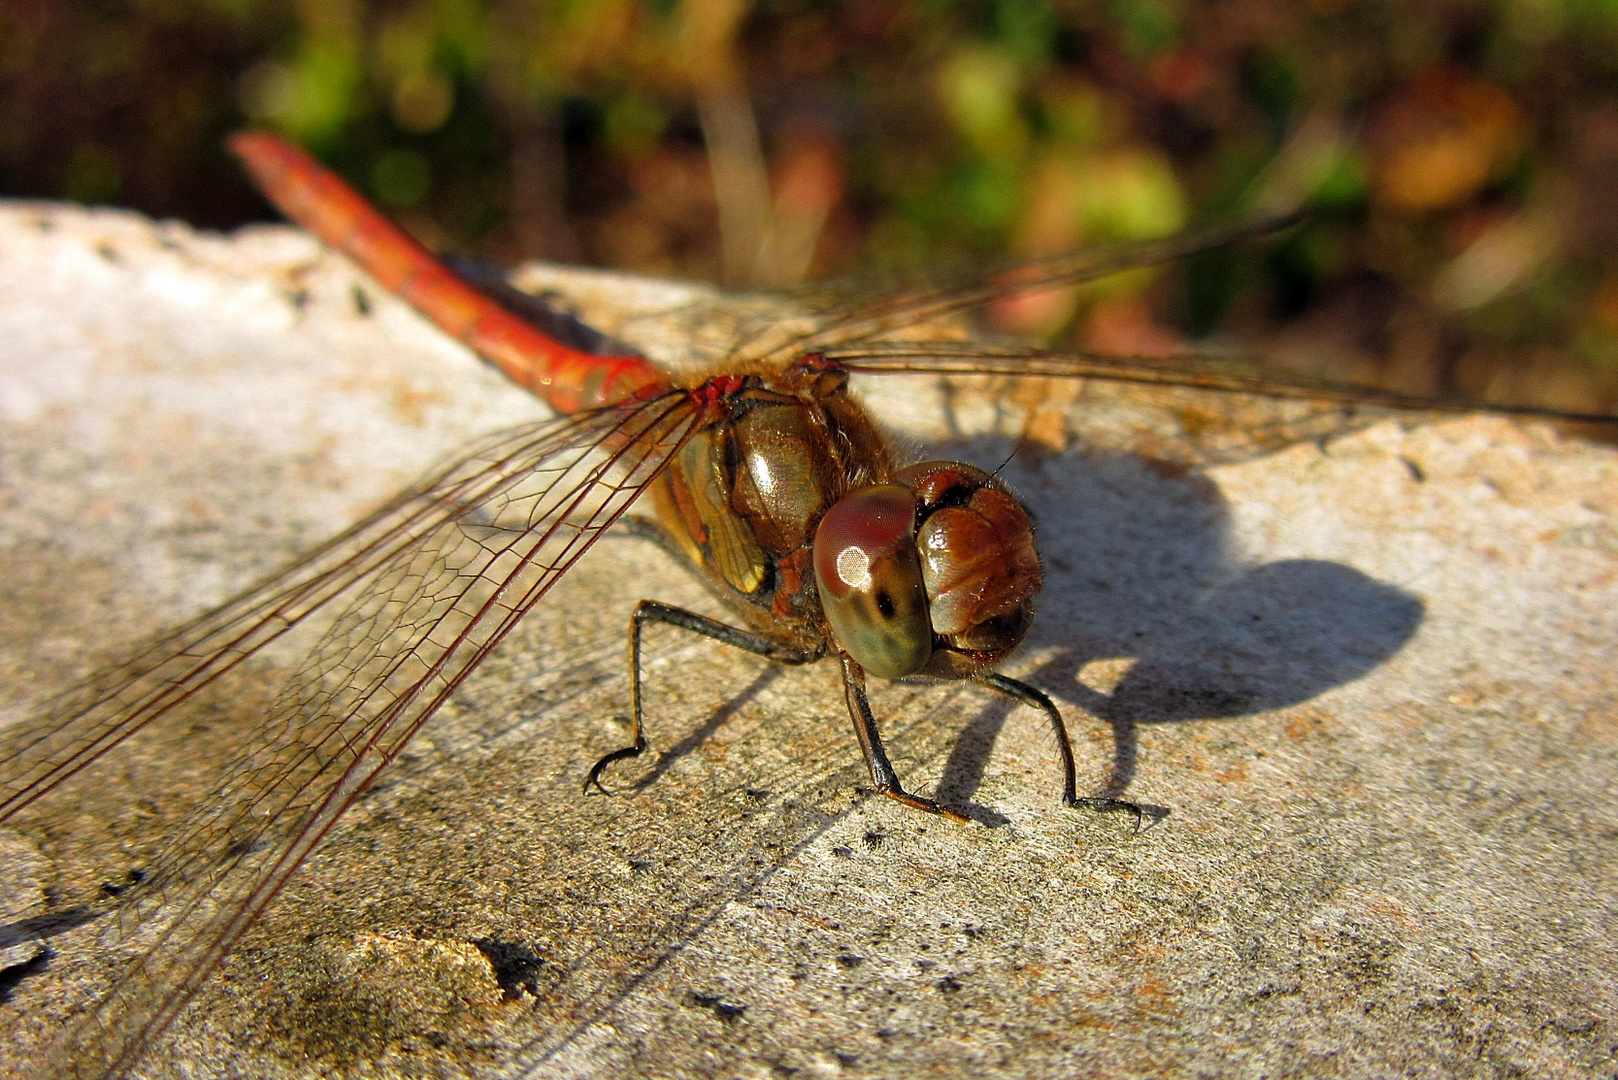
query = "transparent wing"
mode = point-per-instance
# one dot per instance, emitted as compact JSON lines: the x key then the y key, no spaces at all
{"x":850,"y":311}
{"x":1197,"y":407}
{"x":400,"y":609}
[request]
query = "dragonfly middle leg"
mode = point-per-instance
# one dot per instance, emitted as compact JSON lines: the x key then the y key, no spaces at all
{"x":652,"y":611}
{"x":1029,"y":695}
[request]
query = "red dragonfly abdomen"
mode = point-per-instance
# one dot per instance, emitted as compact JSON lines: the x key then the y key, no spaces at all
{"x":569,"y":379}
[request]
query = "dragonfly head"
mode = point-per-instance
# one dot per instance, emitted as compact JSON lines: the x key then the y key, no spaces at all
{"x":933,"y":573}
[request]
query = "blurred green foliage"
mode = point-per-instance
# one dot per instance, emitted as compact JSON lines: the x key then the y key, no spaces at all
{"x":1461,"y":153}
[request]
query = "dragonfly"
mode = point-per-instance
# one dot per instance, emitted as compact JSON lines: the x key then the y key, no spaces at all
{"x":763,"y":473}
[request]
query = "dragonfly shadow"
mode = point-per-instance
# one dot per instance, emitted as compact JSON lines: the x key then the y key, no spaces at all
{"x":694,"y":739}
{"x":1151,"y":615}
{"x":596,"y":897}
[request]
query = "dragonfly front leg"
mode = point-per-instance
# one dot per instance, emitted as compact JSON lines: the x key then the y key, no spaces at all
{"x":883,"y":778}
{"x":652,"y":611}
{"x":1029,"y":695}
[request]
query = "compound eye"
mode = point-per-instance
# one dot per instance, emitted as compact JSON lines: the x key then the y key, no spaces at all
{"x":870,"y":580}
{"x":978,"y":564}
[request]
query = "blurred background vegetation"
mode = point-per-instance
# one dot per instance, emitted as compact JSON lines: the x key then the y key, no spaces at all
{"x":1462,"y":155}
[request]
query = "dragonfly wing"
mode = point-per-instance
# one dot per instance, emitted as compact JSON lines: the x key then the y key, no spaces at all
{"x":862,"y":310}
{"x":412,"y":600}
{"x":84,"y":723}
{"x":1195,"y":407}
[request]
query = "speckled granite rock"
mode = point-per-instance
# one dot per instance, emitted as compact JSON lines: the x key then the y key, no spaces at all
{"x":1373,"y":685}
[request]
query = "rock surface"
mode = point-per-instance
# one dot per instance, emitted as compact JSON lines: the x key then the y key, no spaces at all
{"x":1373,"y":685}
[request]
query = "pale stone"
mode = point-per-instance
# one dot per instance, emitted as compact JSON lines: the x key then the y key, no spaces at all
{"x":1372,"y":684}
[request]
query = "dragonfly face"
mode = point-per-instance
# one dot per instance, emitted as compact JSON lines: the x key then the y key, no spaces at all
{"x":978,"y":563}
{"x":933,"y":573}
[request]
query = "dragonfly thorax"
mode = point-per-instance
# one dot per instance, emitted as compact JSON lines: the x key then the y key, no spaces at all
{"x":792,"y":507}
{"x":743,"y":495}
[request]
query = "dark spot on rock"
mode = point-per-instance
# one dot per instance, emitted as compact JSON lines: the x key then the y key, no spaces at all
{"x":516,"y":967}
{"x":13,"y":975}
{"x":723,"y":1009}
{"x":134,"y":877}
{"x":52,"y":922}
{"x":1567,"y":1025}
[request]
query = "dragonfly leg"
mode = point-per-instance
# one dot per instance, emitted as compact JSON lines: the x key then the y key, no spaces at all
{"x":652,"y":611}
{"x":1029,"y":695}
{"x":883,"y":778}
